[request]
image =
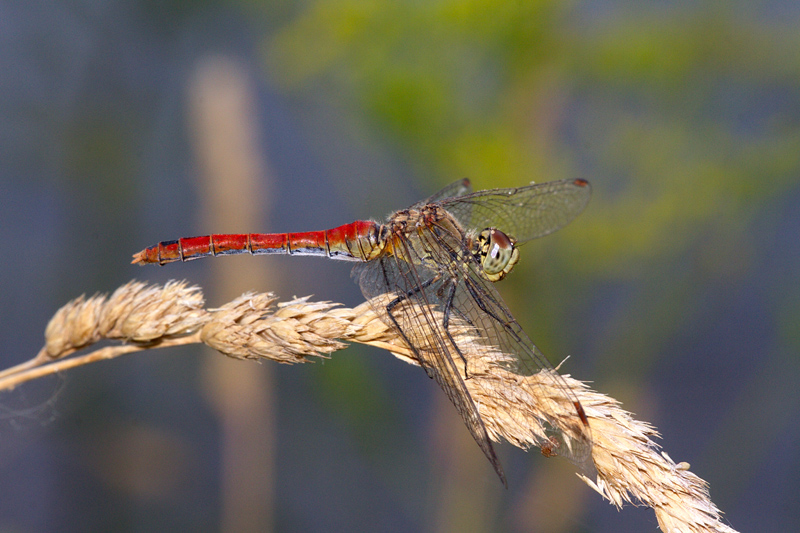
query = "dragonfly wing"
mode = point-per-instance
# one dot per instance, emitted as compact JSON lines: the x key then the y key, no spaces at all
{"x":483,"y":307}
{"x":440,"y":290}
{"x":524,"y":213}
{"x":408,"y":297}
{"x":455,"y":189}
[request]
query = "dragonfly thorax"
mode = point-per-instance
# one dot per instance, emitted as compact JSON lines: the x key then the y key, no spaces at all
{"x":496,"y":253}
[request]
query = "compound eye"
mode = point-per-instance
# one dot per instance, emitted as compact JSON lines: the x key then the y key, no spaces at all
{"x":498,"y":253}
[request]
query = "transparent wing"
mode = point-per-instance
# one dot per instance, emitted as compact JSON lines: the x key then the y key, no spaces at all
{"x":481,"y":304}
{"x":524,"y":213}
{"x":430,"y":291}
{"x":455,"y":189}
{"x":406,"y":297}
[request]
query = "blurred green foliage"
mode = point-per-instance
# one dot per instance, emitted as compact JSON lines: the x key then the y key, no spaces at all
{"x":682,"y":117}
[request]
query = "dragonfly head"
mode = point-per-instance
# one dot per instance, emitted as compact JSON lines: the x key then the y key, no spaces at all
{"x":496,"y":253}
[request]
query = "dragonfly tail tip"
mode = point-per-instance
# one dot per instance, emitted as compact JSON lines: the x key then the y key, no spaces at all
{"x":139,"y":258}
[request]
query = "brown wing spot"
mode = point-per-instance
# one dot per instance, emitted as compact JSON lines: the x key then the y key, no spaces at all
{"x":581,"y":413}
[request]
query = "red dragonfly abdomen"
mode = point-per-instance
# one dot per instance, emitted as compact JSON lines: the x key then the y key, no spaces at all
{"x":356,"y":241}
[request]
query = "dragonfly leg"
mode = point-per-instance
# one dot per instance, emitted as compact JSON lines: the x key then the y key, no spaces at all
{"x":479,"y":300}
{"x":394,"y":303}
{"x":448,"y":307}
{"x":461,"y":315}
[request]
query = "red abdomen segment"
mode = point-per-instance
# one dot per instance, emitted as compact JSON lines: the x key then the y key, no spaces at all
{"x":355,"y":241}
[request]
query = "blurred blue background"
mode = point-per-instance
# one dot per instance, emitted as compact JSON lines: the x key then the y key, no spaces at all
{"x":123,"y":123}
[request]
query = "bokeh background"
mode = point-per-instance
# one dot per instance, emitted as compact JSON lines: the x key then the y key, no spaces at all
{"x":123,"y":123}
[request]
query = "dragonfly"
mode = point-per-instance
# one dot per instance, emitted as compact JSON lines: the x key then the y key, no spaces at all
{"x":442,"y":254}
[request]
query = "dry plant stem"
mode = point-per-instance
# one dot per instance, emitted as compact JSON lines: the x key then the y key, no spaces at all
{"x":8,"y":382}
{"x":629,"y":466}
{"x":31,"y":363}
